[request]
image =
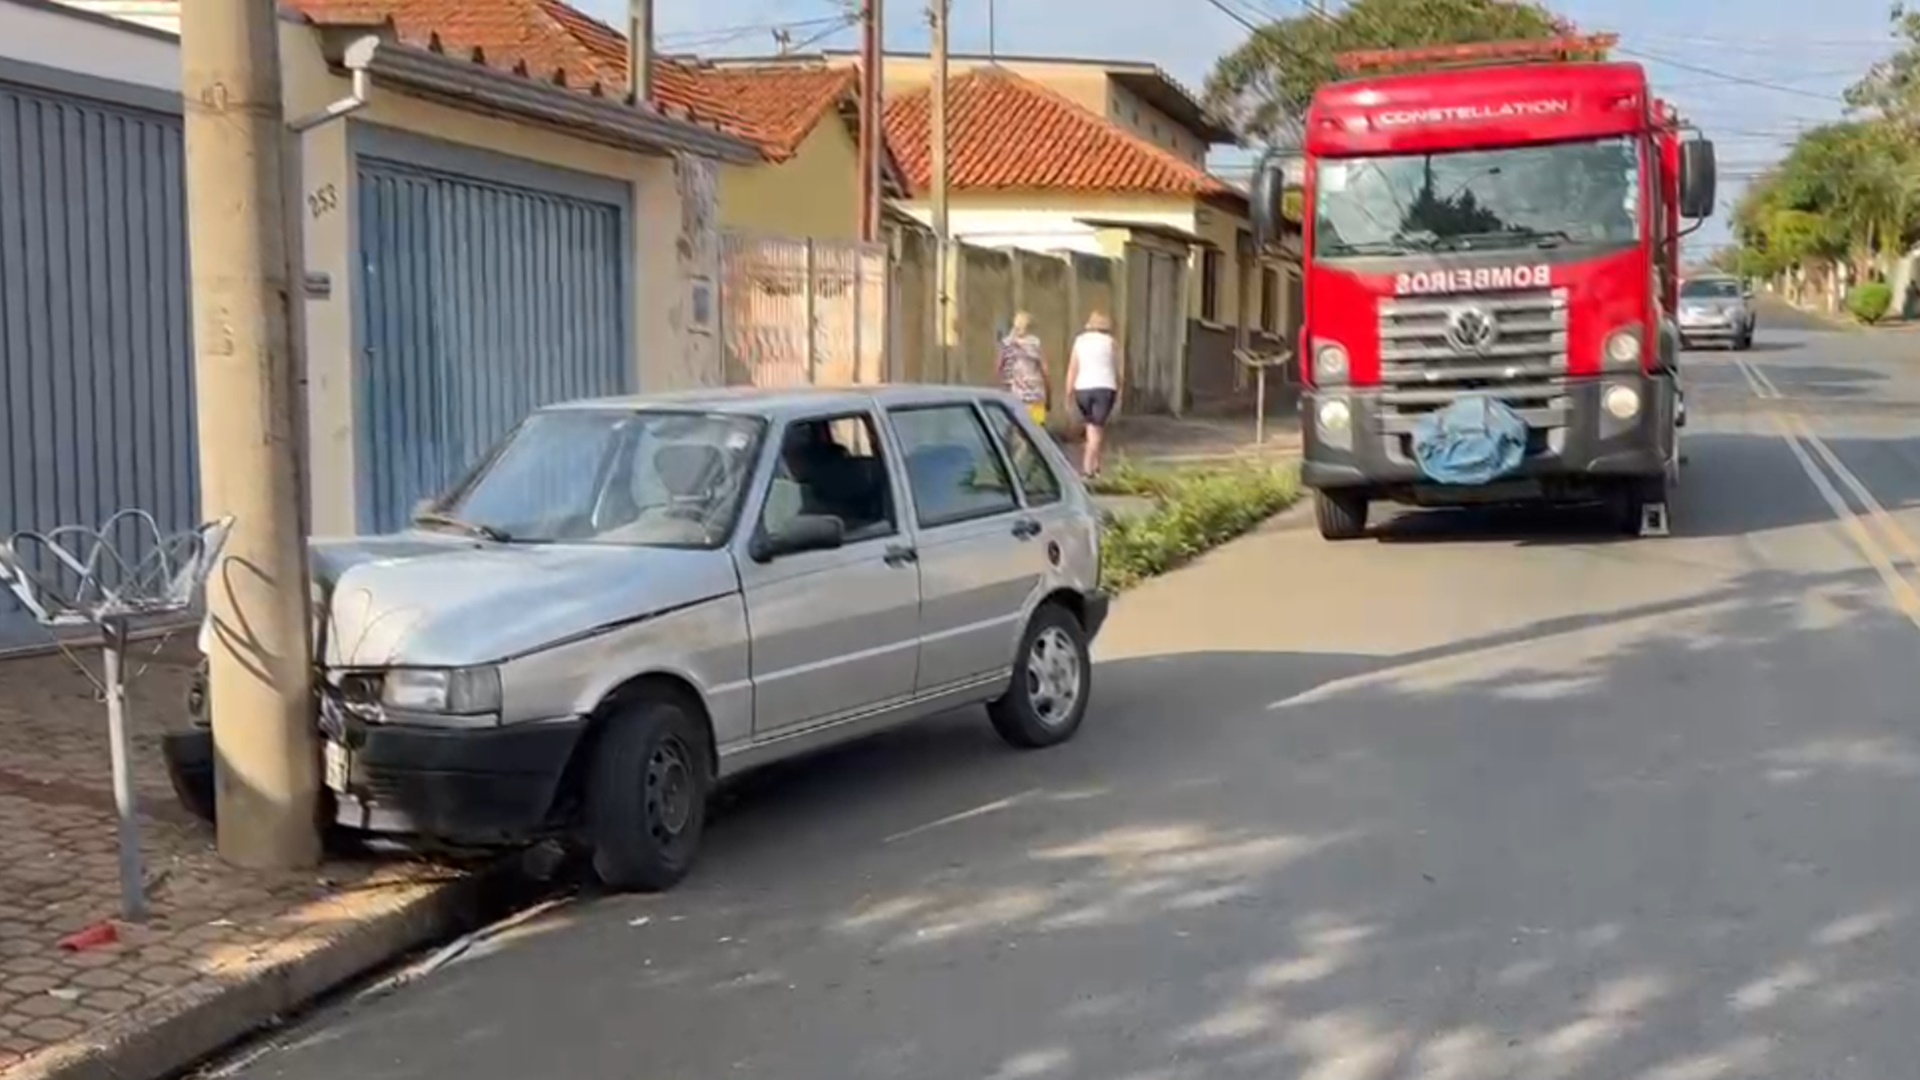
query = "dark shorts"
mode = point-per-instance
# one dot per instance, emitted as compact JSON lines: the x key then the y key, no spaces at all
{"x":1094,"y":405}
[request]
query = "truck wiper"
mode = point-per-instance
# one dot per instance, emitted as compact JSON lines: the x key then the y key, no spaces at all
{"x":1396,"y":245}
{"x":1544,"y":238}
{"x":471,"y":528}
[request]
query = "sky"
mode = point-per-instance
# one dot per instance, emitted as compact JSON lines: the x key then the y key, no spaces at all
{"x":1749,"y":73}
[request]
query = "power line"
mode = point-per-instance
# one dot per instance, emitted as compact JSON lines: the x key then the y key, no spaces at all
{"x":1236,"y":16}
{"x":1726,"y":76}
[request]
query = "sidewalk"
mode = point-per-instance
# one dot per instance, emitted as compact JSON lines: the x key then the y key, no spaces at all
{"x":1202,"y":437}
{"x":225,"y":952}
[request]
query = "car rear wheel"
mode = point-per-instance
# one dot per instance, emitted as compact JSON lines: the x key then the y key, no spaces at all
{"x":1340,"y":516}
{"x":1052,"y":681}
{"x":647,"y":786}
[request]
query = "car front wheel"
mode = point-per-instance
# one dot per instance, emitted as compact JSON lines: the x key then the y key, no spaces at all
{"x":647,"y":795}
{"x":1052,"y":680}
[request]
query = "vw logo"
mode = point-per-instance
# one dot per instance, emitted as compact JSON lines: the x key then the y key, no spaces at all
{"x":1471,"y":329}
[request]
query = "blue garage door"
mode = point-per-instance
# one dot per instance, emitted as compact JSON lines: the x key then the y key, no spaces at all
{"x":479,"y":300}
{"x":96,"y":366}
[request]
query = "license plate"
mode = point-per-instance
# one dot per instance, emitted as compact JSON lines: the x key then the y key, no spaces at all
{"x":335,"y":757}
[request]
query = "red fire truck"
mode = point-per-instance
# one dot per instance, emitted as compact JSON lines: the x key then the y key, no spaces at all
{"x":1492,"y":268}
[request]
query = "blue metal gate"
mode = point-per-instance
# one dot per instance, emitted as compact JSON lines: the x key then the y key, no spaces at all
{"x":96,"y":365}
{"x":479,"y":300}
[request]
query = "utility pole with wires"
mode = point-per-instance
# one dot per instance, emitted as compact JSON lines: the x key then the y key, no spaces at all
{"x":640,"y":50}
{"x":938,"y":13}
{"x":872,"y":129}
{"x":250,"y":399}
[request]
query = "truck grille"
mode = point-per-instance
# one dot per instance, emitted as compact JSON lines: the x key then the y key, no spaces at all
{"x":1421,"y":370}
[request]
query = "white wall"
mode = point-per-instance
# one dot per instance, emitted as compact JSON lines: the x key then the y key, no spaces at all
{"x":1047,"y":229}
{"x":87,"y":46}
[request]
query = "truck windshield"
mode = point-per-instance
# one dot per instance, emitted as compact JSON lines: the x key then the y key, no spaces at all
{"x":1472,"y":200}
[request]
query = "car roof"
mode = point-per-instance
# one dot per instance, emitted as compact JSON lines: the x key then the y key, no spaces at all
{"x":781,"y":403}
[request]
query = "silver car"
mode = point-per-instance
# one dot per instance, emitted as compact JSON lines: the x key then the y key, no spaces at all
{"x":1716,"y":308}
{"x":630,"y":600}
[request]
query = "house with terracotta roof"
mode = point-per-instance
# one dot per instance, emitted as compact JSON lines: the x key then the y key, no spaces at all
{"x":805,"y":181}
{"x":1103,"y":157}
{"x":491,"y":229}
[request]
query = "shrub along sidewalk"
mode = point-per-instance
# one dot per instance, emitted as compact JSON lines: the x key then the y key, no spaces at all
{"x":1191,"y":510}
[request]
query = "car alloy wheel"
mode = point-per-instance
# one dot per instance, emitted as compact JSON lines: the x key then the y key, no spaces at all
{"x":1053,"y":677}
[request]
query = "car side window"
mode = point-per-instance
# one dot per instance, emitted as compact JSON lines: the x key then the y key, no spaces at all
{"x":833,"y":466}
{"x":953,"y":470}
{"x":1037,"y":477}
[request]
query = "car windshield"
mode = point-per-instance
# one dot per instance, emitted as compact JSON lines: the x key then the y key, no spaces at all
{"x":1711,"y":289}
{"x":659,"y":479}
{"x":1472,"y":200}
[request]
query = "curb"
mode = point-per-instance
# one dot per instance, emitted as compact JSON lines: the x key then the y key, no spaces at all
{"x":170,"y":1033}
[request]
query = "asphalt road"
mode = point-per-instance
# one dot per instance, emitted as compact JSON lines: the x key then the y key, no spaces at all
{"x":1484,"y":796}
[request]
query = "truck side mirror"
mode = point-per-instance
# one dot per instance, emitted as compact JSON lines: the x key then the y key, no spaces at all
{"x":1279,"y":174}
{"x":1697,"y":179}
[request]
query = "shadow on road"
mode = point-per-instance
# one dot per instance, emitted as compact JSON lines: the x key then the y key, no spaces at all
{"x":1616,"y":853}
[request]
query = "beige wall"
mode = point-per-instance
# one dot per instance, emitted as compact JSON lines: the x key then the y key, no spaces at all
{"x":662,"y":357}
{"x":814,"y":193}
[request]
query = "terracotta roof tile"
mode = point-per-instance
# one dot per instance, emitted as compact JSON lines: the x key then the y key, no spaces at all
{"x":775,"y":107}
{"x":785,"y":103}
{"x":1007,"y":132}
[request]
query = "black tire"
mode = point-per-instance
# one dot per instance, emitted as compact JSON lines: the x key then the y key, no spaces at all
{"x":189,"y":758}
{"x":1340,"y":517}
{"x":647,"y":785}
{"x":1743,"y":342}
{"x":1030,"y":715}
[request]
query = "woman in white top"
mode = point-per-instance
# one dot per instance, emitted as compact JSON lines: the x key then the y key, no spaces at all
{"x":1093,"y":376}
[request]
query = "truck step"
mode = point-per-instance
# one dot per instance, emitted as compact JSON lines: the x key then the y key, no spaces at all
{"x":1653,"y":519}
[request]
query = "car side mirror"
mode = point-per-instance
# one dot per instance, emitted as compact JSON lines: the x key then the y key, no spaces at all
{"x":1697,"y":179}
{"x":807,"y":532}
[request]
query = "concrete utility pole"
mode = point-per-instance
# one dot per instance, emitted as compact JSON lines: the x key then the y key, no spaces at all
{"x":640,"y":50}
{"x":869,"y":119}
{"x":260,"y":691}
{"x":937,"y":133}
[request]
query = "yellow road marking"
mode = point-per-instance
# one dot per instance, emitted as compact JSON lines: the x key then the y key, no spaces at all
{"x":1800,"y":440}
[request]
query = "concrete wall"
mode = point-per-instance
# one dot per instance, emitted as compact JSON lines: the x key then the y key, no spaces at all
{"x":664,"y":356}
{"x":814,"y":193}
{"x":914,"y":346}
{"x":983,"y":307}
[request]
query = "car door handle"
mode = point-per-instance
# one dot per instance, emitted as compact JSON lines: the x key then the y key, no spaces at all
{"x":901,"y":555}
{"x":1026,"y":528}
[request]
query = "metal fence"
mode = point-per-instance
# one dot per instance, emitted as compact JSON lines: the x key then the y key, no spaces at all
{"x":795,"y":312}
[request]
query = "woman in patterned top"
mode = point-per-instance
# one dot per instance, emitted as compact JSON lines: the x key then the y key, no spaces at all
{"x":1024,"y":370}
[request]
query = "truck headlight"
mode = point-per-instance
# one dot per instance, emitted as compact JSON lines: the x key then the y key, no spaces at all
{"x":1335,"y":417}
{"x":442,"y":691}
{"x":1623,"y":347}
{"x":1622,"y":402}
{"x":1329,"y":363}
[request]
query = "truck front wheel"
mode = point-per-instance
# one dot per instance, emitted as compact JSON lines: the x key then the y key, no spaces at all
{"x":1341,"y":516}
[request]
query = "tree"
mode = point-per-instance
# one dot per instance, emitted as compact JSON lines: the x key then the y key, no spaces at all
{"x":1264,"y":86}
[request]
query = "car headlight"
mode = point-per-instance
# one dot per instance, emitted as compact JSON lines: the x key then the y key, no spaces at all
{"x":469,"y":692}
{"x":1623,"y":347}
{"x":1329,"y":363}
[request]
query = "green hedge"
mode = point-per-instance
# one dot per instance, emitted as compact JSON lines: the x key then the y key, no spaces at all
{"x":1196,"y":509}
{"x":1869,"y":301}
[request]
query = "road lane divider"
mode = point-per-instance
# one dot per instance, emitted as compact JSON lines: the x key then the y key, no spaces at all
{"x":1806,"y":447}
